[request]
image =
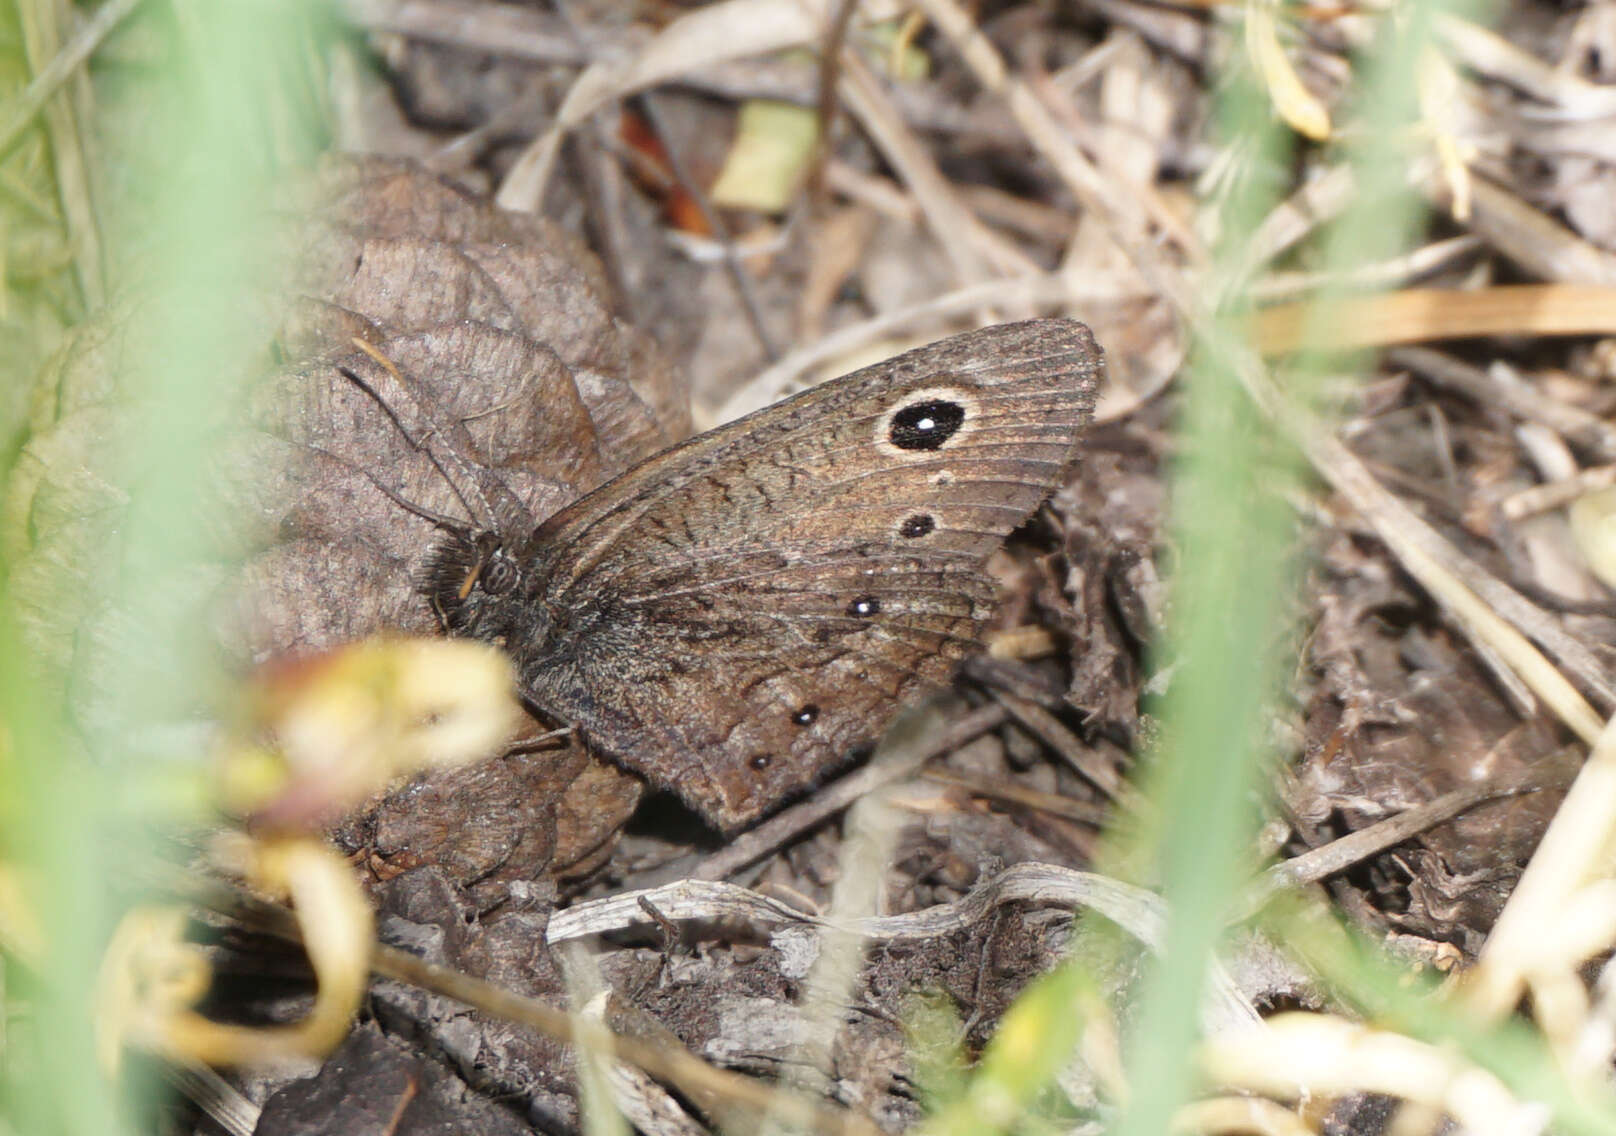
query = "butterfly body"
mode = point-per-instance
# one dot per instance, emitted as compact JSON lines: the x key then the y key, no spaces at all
{"x":733,"y":616}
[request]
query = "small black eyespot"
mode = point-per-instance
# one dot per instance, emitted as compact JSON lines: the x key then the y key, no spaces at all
{"x":917,"y":525}
{"x":806,"y":715}
{"x":864,"y":607}
{"x":926,"y":425}
{"x":498,"y":576}
{"x":759,"y":761}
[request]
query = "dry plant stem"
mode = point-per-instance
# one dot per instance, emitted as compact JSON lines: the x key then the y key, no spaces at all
{"x":675,"y":1066}
{"x":1013,"y":793}
{"x":514,"y":31}
{"x":842,"y":239}
{"x":1179,"y":33}
{"x":1045,"y":725}
{"x":1076,"y":171}
{"x":608,"y":1091}
{"x":1034,"y":290}
{"x":1239,"y":1114}
{"x":1047,"y":115}
{"x":881,"y":194}
{"x":605,"y":183}
{"x":1529,"y":237}
{"x":628,"y":1020}
{"x":1493,"y":611}
{"x":225,"y":1106}
{"x":830,"y":59}
{"x":1552,"y":772}
{"x":1514,"y":688}
{"x":1079,"y":175}
{"x":974,"y":250}
{"x":1022,"y":215}
{"x":1297,"y":1055}
{"x":1136,"y":910}
{"x":1572,"y":852}
{"x":53,"y":68}
{"x":1522,"y":233}
{"x":1554,"y":494}
{"x":738,"y":274}
{"x":827,"y":802}
{"x":1486,"y":389}
{"x":1483,"y":606}
{"x":501,"y":29}
{"x":20,"y":111}
{"x":724,"y":30}
{"x":863,"y":862}
{"x":1486,"y":51}
{"x":1388,"y":273}
{"x":1414,"y":315}
{"x":1320,"y":200}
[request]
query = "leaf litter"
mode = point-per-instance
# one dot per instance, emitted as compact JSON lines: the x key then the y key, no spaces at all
{"x":1449,"y":640}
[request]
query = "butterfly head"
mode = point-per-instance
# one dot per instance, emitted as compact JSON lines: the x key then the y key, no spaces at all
{"x":477,"y":584}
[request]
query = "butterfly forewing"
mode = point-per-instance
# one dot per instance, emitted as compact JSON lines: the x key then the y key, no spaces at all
{"x":753,"y":604}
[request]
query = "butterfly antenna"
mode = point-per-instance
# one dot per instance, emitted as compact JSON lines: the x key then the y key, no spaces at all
{"x":416,"y":443}
{"x":448,"y":524}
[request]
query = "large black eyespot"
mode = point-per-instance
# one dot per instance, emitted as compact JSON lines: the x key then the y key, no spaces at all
{"x":918,"y":524}
{"x":864,"y":607}
{"x":759,"y":761}
{"x":926,"y":425}
{"x":498,"y":576}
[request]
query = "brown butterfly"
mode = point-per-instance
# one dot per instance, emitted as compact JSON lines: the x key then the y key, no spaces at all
{"x":734,"y":616}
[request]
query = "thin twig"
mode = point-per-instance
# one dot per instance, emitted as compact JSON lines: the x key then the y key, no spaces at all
{"x":1553,"y":772}
{"x":1488,"y":389}
{"x":1554,"y":494}
{"x":1015,"y":793}
{"x":739,"y":276}
{"x":1101,"y":774}
{"x":830,"y":60}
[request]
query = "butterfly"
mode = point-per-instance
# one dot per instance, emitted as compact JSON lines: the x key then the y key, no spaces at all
{"x":733,"y":617}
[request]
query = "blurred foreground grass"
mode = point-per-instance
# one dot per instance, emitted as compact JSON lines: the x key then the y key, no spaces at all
{"x":149,"y":188}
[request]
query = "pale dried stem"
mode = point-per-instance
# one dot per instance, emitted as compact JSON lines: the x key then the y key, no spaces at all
{"x":1132,"y":211}
{"x":1574,"y":851}
{"x":1496,"y":388}
{"x":863,"y":861}
{"x":973,"y":249}
{"x":1239,"y":1114}
{"x":1556,"y":494}
{"x":53,"y":68}
{"x":1299,"y":1055}
{"x":1036,"y":290}
{"x":1484,"y":607}
{"x":1421,"y":262}
{"x":1484,"y":50}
